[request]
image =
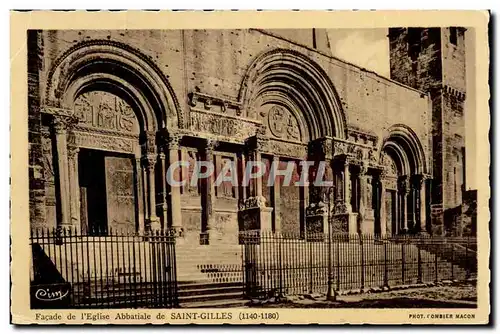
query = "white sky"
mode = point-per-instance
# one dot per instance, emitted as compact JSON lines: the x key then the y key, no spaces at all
{"x":369,"y":48}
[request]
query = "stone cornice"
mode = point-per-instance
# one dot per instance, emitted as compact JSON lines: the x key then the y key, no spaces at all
{"x":209,"y":101}
{"x":56,"y":111}
{"x":358,"y":133}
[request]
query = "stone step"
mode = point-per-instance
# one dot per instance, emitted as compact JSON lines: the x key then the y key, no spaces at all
{"x":208,"y":290}
{"x":211,"y":297}
{"x":198,"y":285}
{"x":216,"y":303}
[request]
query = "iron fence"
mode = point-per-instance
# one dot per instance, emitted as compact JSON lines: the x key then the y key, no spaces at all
{"x":278,"y":264}
{"x":102,"y":269}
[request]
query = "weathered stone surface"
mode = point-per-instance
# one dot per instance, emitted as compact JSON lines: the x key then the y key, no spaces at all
{"x":231,"y":96}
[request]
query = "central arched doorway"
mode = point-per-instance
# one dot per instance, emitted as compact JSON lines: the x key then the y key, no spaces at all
{"x":297,"y":105}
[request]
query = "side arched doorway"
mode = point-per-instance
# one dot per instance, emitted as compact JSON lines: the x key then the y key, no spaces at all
{"x":109,"y":109}
{"x":405,"y":189}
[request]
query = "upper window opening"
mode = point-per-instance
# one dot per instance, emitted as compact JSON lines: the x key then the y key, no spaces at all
{"x":414,"y":39}
{"x":453,"y":35}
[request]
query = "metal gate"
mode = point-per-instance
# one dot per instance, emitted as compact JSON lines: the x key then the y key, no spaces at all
{"x":102,"y":269}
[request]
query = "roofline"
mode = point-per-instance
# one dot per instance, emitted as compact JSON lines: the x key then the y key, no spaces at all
{"x":266,"y":32}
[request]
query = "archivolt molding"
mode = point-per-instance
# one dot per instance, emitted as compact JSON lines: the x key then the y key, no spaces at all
{"x":88,"y":53}
{"x":404,"y":147}
{"x":303,"y":81}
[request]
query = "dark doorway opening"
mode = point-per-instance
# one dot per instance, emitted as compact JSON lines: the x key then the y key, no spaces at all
{"x":92,"y":192}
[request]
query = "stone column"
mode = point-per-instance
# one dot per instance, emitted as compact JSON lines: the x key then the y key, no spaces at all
{"x":172,"y":149}
{"x":254,"y":213}
{"x":154,"y":220}
{"x":276,"y":199}
{"x":255,"y":183}
{"x":346,"y":186}
{"x":145,"y":184}
{"x":304,"y":203}
{"x":74,"y":185}
{"x":419,"y":184}
{"x":362,"y":177}
{"x":139,"y":188}
{"x":413,"y":204}
{"x":242,"y":191}
{"x":60,"y":129}
{"x":363,"y":205}
{"x":403,"y":189}
{"x":381,"y":203}
{"x":321,"y":152}
{"x":208,"y":193}
{"x":164,"y":208}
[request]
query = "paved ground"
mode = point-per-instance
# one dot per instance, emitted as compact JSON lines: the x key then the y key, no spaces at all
{"x":455,"y":295}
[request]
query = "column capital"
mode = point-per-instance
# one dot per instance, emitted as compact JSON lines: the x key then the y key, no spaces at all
{"x":254,"y":202}
{"x":209,"y":145}
{"x":149,"y":145}
{"x":63,"y":123}
{"x":171,"y":140}
{"x":150,"y":161}
{"x":403,"y":184}
{"x":73,"y":151}
{"x":417,"y":180}
{"x":255,"y":143}
{"x":363,"y":169}
{"x":322,"y":148}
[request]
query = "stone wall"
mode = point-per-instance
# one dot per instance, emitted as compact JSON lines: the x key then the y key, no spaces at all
{"x":36,"y":169}
{"x":214,"y":63}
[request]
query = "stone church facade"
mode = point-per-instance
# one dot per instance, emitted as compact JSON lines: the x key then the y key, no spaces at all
{"x":109,"y":111}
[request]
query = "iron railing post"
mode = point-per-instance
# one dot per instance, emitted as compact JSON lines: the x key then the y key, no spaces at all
{"x":331,"y":293}
{"x":452,"y":260}
{"x":362,"y":261}
{"x":436,"y":274}
{"x":467,"y":263}
{"x":386,"y":274}
{"x":419,"y":264}
{"x":403,"y":262}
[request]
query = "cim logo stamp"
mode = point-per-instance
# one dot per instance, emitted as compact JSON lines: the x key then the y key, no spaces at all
{"x":45,"y":296}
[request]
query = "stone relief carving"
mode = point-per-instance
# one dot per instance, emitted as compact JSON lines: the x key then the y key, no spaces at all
{"x":285,"y":149}
{"x":389,"y":164}
{"x":340,"y":148}
{"x":340,"y":207}
{"x":316,"y":209}
{"x":369,"y":192}
{"x":47,"y":156}
{"x":213,"y":103}
{"x":99,"y":109}
{"x":254,"y":202}
{"x":219,"y":125}
{"x":282,"y":124}
{"x":109,"y":143}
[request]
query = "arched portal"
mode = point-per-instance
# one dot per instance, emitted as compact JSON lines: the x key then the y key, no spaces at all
{"x":405,"y":191}
{"x":295,"y":100}
{"x":293,"y":79}
{"x":110,"y":105}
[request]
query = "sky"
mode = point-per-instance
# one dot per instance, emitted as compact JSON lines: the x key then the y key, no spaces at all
{"x":369,"y":48}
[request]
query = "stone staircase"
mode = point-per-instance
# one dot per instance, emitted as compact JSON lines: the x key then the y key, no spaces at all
{"x":461,"y":255}
{"x":209,"y":276}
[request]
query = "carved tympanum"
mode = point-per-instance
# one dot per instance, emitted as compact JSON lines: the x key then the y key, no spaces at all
{"x":282,"y":124}
{"x":103,"y":110}
{"x":389,"y":164}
